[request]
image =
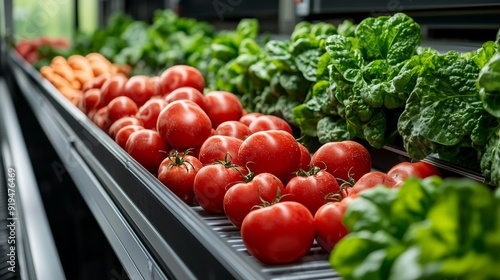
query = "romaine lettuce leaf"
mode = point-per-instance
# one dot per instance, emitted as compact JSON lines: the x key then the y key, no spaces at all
{"x":489,"y":83}
{"x":444,"y":106}
{"x":427,"y":229}
{"x":392,"y":38}
{"x":362,"y":71}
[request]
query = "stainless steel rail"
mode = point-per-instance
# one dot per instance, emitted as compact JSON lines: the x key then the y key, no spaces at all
{"x":36,"y":255}
{"x":133,"y":255}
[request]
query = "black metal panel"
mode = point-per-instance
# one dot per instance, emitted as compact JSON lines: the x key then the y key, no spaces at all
{"x":221,"y":9}
{"x":390,"y":6}
{"x":143,"y":10}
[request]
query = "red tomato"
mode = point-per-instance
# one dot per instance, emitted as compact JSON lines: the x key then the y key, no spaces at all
{"x":330,"y":228}
{"x":120,"y":107}
{"x":222,"y":106}
{"x":180,"y":76}
{"x":177,"y":172}
{"x":344,"y":160}
{"x":117,"y":125}
{"x":217,"y":147}
{"x":123,"y":134}
{"x":91,"y":100}
{"x":278,"y":234}
{"x":96,"y":82}
{"x":234,"y":129}
{"x":91,"y":113}
{"x":155,"y":83}
{"x":269,"y":122}
{"x":370,"y":180}
{"x":183,"y":124}
{"x":247,"y":119}
{"x":112,"y":88}
{"x":100,"y":119}
{"x":242,"y":198}
{"x":272,"y":151}
{"x":187,"y":93}
{"x":139,"y":89}
{"x":147,"y":148}
{"x":312,"y":189}
{"x":148,"y":113}
{"x":419,"y":169}
{"x":305,"y":157}
{"x":212,"y":182}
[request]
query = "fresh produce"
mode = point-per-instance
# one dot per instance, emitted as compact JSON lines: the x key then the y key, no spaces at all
{"x":220,"y":147}
{"x":234,"y":129}
{"x":188,"y":93}
{"x":444,"y":113}
{"x":122,"y":122}
{"x":214,"y":116}
{"x":32,"y":49}
{"x":271,"y":151}
{"x":371,"y":180}
{"x":178,"y":172}
{"x":213,"y":180}
{"x":428,"y":229}
{"x":248,"y":118}
{"x":91,"y":100}
{"x":120,"y":107}
{"x":222,"y":106}
{"x":99,"y":118}
{"x":347,"y":160}
{"x":148,"y":113}
{"x":278,"y":234}
{"x":150,"y":48}
{"x":147,"y":148}
{"x":258,"y":190}
{"x":112,"y":88}
{"x":358,"y":97}
{"x":183,"y":124}
{"x":140,"y":88}
{"x":225,"y":70}
{"x":488,"y":84}
{"x":305,"y":157}
{"x":419,"y":169}
{"x":269,"y":122}
{"x":328,"y":224}
{"x":312,"y":188}
{"x":122,"y":135}
{"x":69,"y":75}
{"x":180,"y":76}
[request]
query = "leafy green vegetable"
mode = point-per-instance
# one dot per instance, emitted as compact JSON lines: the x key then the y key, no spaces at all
{"x":489,"y":83}
{"x":489,"y":89}
{"x":444,"y":110}
{"x":362,"y":71}
{"x":427,"y":229}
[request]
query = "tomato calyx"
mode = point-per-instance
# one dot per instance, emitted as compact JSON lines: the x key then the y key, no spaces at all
{"x":227,"y":162}
{"x":313,"y":170}
{"x":349,"y":183}
{"x":266,"y":203}
{"x":250,"y":175}
{"x":179,"y":159}
{"x":333,"y":197}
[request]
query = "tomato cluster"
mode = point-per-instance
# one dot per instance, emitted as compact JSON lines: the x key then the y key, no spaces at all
{"x":248,"y":166}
